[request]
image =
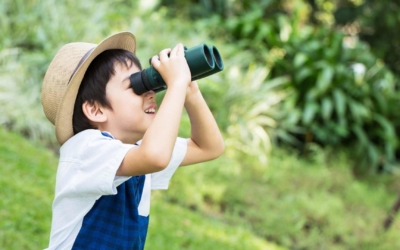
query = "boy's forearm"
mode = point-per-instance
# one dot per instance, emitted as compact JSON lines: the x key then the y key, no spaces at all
{"x":160,"y":137}
{"x":204,"y":129}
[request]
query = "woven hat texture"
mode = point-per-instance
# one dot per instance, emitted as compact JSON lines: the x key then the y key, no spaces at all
{"x":64,"y":76}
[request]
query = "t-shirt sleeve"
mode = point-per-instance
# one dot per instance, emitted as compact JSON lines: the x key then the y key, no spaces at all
{"x":160,"y":180}
{"x":92,"y":169}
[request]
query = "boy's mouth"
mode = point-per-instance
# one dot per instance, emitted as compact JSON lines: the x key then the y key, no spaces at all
{"x":150,"y":111}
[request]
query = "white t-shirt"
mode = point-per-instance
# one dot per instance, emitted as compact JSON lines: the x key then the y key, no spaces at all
{"x":86,"y":174}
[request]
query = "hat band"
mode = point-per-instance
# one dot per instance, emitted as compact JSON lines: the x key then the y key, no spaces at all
{"x":80,"y":62}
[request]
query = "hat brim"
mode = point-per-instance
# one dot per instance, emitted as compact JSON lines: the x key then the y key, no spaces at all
{"x":63,"y":122}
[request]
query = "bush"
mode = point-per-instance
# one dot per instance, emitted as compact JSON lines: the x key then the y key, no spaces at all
{"x":338,"y":93}
{"x":343,"y":95}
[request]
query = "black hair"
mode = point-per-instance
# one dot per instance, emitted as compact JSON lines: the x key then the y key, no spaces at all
{"x":93,"y":86}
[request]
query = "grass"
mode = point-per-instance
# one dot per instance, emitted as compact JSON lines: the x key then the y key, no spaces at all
{"x":176,"y":227}
{"x":27,"y":184}
{"x":297,"y":203}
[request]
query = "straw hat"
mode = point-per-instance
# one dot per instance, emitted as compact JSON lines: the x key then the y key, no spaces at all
{"x":64,"y":76}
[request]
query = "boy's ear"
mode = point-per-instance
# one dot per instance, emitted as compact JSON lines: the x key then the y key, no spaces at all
{"x":94,"y":112}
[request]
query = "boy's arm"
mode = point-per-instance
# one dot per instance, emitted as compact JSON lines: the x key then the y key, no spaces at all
{"x":155,"y":151}
{"x":205,"y":142}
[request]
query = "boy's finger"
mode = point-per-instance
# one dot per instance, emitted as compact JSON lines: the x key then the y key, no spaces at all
{"x":164,"y":54}
{"x":180,"y":50}
{"x":155,"y":60}
{"x":177,"y":50}
{"x":173,"y":51}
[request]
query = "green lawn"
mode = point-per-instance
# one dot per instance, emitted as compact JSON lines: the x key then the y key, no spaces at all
{"x":27,"y":184}
{"x":314,"y":203}
{"x":174,"y":227}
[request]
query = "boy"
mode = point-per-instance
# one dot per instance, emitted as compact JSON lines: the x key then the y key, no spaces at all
{"x":115,"y":148}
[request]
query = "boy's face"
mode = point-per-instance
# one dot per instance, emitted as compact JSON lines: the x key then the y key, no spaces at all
{"x":131,"y":114}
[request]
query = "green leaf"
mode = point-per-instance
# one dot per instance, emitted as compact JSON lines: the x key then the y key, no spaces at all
{"x":287,"y":137}
{"x":381,"y":102}
{"x":340,"y":102}
{"x":310,"y":110}
{"x":388,"y":128}
{"x":390,"y":151}
{"x":303,"y":74}
{"x":327,"y":108}
{"x":275,"y":82}
{"x":312,"y":94}
{"x":358,"y":110}
{"x":361,"y":135}
{"x":341,"y":130}
{"x":324,"y":79}
{"x":299,"y":59}
{"x":373,"y":155}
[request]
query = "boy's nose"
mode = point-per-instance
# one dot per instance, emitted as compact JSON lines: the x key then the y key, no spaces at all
{"x":150,"y":94}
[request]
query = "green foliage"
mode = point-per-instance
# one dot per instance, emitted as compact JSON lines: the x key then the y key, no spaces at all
{"x":341,"y":93}
{"x":356,"y":18}
{"x":20,"y":97}
{"x":245,"y":105}
{"x":366,"y":19}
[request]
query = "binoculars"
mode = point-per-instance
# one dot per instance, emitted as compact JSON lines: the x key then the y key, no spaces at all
{"x":202,"y":60}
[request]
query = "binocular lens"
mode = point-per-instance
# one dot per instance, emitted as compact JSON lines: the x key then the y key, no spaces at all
{"x":209,"y":56}
{"x":219,"y":65}
{"x":217,"y":58}
{"x":199,"y":59}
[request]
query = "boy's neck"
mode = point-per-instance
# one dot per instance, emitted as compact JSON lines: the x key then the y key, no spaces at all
{"x":128,"y":138}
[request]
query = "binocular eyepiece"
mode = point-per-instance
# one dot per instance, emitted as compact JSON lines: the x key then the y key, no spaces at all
{"x":202,"y":60}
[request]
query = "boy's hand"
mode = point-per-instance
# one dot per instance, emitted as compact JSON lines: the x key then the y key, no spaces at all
{"x":172,"y":66}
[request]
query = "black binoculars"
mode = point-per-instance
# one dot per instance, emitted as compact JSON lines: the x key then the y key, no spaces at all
{"x":202,"y":60}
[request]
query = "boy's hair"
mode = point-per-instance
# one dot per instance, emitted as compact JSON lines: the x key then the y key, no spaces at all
{"x":93,"y":86}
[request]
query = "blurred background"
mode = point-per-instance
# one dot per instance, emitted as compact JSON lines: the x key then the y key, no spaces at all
{"x":308,"y":105}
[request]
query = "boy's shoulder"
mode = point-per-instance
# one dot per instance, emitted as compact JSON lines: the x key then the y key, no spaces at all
{"x":88,"y":141}
{"x":81,"y":139}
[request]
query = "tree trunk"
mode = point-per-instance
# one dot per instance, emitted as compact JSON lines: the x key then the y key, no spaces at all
{"x":392,"y":214}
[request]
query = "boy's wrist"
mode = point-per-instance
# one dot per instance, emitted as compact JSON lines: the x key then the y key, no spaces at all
{"x":177,"y":86}
{"x":193,"y":97}
{"x":192,"y":91}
